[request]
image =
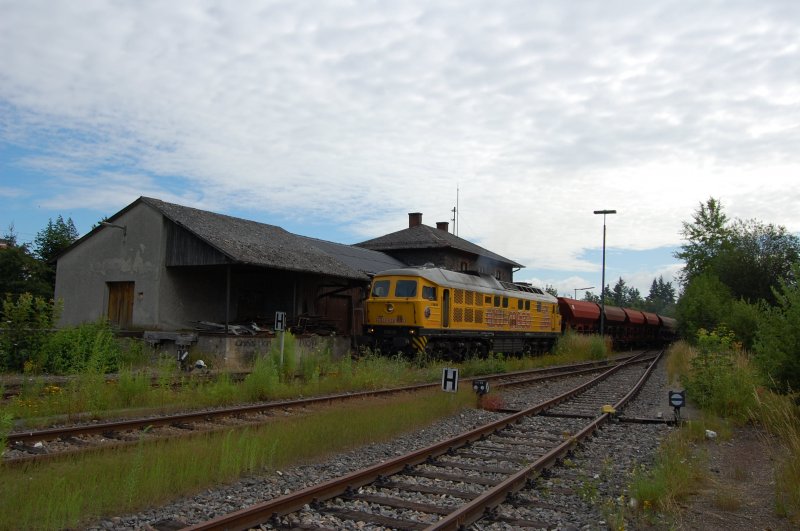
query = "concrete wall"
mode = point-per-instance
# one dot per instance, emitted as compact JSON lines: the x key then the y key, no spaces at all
{"x":109,"y":256}
{"x":240,"y":352}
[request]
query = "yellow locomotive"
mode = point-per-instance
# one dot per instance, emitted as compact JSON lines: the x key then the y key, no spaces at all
{"x":452,"y":314}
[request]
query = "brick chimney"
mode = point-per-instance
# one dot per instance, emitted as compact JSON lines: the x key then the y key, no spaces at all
{"x":442,"y":225}
{"x":414,"y":219}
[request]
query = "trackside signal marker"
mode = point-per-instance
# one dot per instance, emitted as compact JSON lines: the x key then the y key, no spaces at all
{"x":450,"y":380}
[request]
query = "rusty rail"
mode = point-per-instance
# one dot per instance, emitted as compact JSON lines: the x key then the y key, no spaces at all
{"x":275,"y":508}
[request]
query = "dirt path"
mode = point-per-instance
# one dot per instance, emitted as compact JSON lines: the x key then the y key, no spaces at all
{"x":741,"y":492}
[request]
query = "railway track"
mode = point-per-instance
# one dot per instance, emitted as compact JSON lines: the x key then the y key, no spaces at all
{"x":14,"y":386}
{"x":457,"y":482}
{"x":50,"y":443}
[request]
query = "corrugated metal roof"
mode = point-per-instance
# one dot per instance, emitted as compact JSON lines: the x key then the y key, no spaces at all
{"x":425,"y":237}
{"x":249,"y":242}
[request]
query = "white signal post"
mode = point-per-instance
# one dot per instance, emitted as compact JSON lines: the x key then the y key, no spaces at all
{"x":280,"y":325}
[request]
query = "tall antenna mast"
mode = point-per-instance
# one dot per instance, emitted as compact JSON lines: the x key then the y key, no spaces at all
{"x":456,"y":212}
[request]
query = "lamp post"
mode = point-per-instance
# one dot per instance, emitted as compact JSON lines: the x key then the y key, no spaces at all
{"x":603,"y":274}
{"x":580,"y":289}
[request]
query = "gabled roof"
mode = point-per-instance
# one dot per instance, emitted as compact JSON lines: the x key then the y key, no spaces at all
{"x":364,"y":260}
{"x":425,"y":237}
{"x":250,"y":242}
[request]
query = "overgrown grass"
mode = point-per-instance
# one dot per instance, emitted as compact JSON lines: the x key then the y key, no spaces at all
{"x":69,"y":492}
{"x":302,"y":374}
{"x":723,"y":382}
{"x":780,"y":416}
{"x":581,"y":347}
{"x":677,"y":472}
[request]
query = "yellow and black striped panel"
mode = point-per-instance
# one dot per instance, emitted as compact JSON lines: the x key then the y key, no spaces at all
{"x":419,"y":343}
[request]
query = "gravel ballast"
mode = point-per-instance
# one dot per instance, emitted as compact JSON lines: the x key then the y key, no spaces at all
{"x":577,"y":494}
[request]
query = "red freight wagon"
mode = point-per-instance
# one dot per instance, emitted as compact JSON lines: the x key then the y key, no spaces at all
{"x":581,"y":316}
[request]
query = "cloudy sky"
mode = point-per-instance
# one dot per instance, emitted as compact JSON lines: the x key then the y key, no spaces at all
{"x":335,"y":119}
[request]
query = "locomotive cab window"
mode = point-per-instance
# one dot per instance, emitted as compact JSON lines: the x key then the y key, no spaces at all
{"x":405,"y":288}
{"x":519,"y":304}
{"x":527,"y":305}
{"x":429,"y":292}
{"x":380,"y":288}
{"x":505,"y":302}
{"x":497,"y":301}
{"x":538,"y":306}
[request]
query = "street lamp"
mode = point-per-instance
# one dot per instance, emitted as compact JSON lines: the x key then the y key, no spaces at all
{"x":580,"y":289}
{"x":603,"y":280}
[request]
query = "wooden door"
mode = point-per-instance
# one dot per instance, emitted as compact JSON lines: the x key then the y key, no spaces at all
{"x":120,"y":304}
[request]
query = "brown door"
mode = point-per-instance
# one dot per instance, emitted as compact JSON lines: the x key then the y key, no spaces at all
{"x":120,"y":303}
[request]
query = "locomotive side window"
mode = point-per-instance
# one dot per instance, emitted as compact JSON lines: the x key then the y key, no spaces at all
{"x":497,"y":301}
{"x":538,"y":306}
{"x":405,"y":288}
{"x":527,"y":305}
{"x":519,"y":304}
{"x":380,"y":288}
{"x":488,"y":300}
{"x":429,"y":292}
{"x":505,"y":302}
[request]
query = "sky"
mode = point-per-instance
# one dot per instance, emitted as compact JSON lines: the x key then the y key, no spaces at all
{"x":336,"y":119}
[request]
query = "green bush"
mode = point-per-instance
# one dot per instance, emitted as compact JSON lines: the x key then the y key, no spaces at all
{"x":721,"y":379}
{"x":778,"y":339}
{"x":26,"y":323}
{"x":703,"y":305}
{"x":89,"y":346}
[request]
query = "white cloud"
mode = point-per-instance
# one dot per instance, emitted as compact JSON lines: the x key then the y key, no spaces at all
{"x":360,"y":112}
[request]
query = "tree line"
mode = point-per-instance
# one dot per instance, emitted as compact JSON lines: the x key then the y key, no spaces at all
{"x":660,"y":299}
{"x":31,"y":268}
{"x":741,"y":278}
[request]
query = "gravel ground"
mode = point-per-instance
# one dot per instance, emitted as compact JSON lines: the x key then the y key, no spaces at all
{"x":583,"y":493}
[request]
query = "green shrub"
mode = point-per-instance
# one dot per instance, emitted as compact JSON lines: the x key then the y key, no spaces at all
{"x":26,"y":324}
{"x":721,"y":379}
{"x":89,"y":346}
{"x":778,"y":339}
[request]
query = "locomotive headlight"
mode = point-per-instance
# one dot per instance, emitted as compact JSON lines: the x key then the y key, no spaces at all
{"x":390,"y":307}
{"x":427,"y":311}
{"x":370,"y":330}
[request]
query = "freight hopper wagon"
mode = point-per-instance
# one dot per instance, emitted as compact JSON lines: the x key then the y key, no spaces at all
{"x":628,"y":328}
{"x":451,"y":314}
